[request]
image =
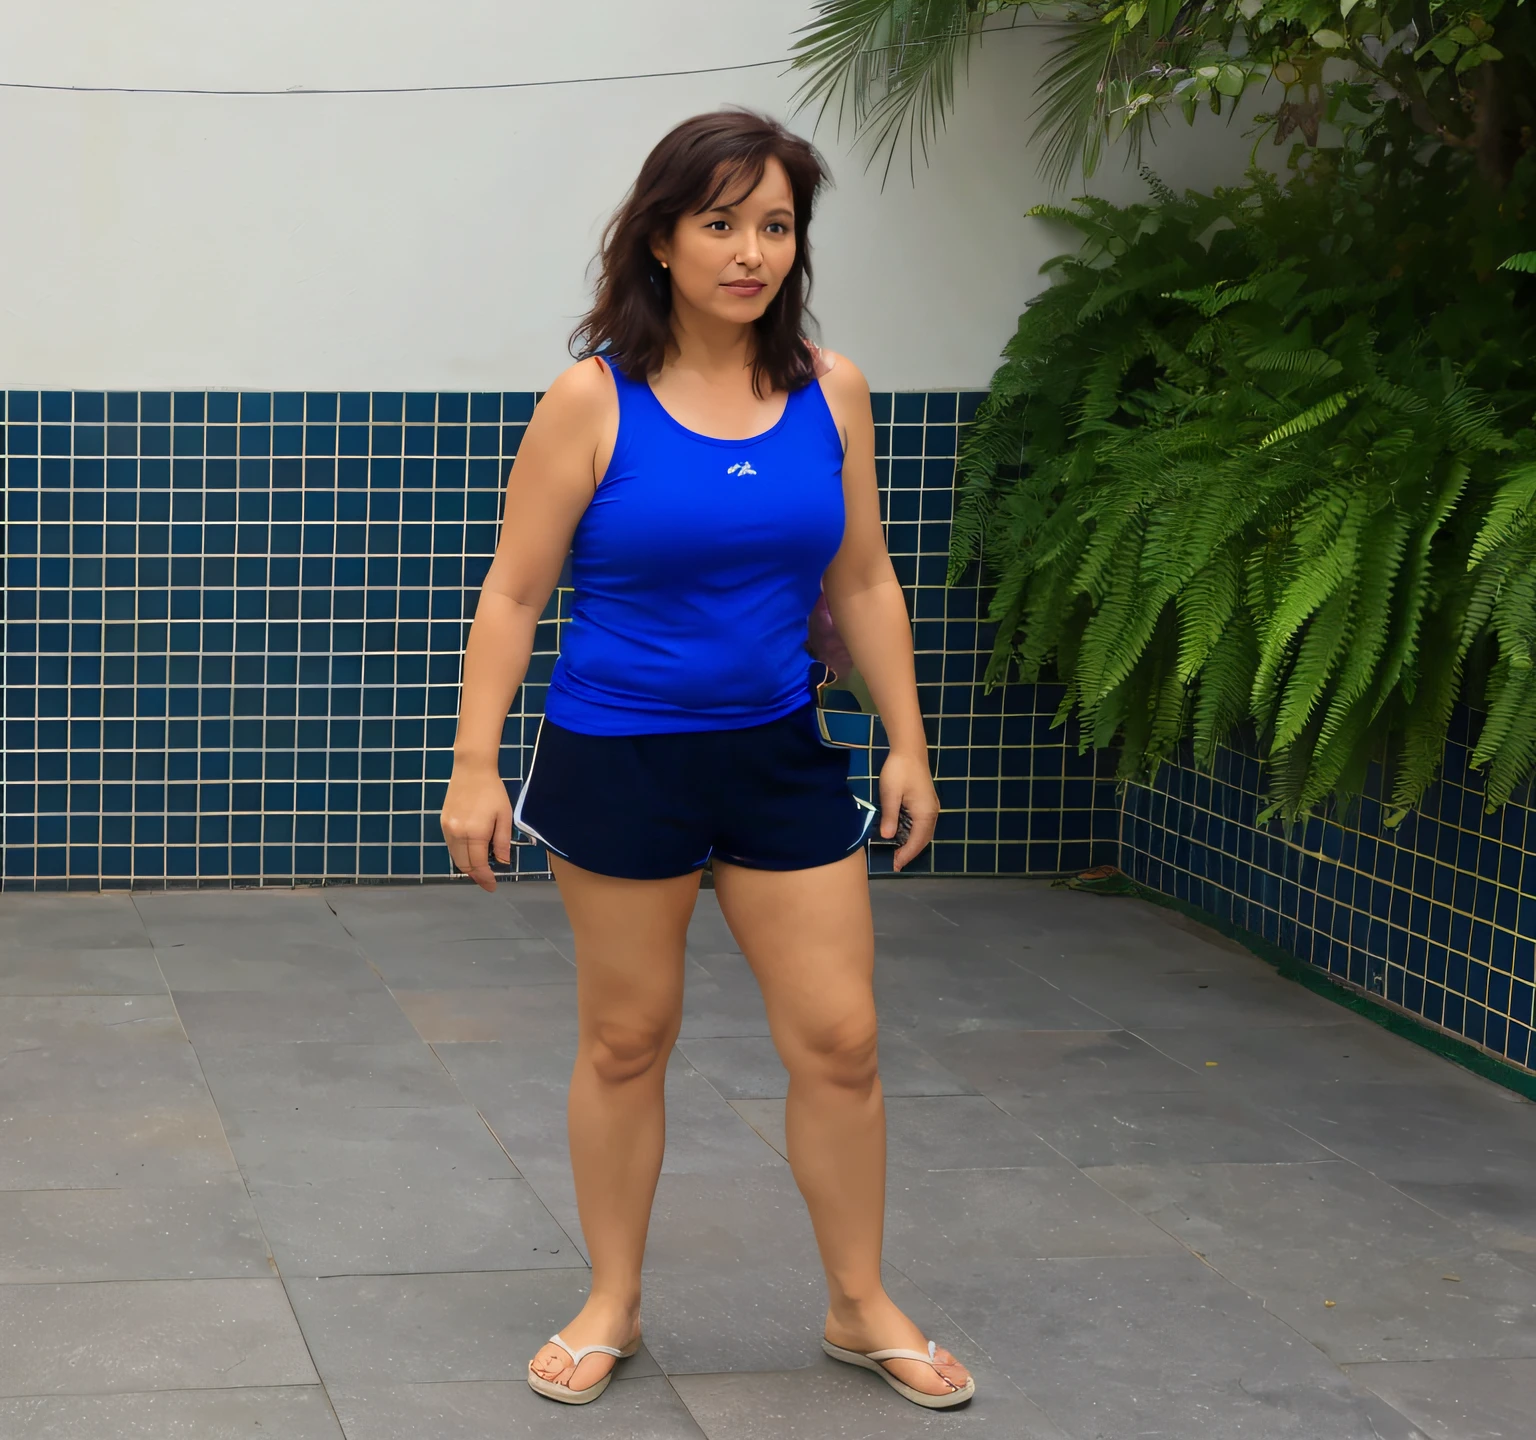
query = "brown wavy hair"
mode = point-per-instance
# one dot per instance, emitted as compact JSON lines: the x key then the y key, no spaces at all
{"x":686,"y":174}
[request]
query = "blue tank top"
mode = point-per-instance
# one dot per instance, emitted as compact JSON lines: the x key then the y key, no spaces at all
{"x":695,"y":570}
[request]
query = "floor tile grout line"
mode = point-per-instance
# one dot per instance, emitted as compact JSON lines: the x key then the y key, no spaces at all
{"x":1226,"y":1279}
{"x":1323,"y":1160}
{"x":729,"y":1103}
{"x":266,"y":1241}
{"x":532,"y":1188}
{"x":134,"y":1279}
{"x":681,"y":1400}
{"x":161,"y":1390}
{"x":1347,"y":1365}
{"x":438,"y":1274}
{"x":1336,"y":1155}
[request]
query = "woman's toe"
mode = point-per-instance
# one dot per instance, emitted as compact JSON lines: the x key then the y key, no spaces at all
{"x":951,"y":1369}
{"x":931,"y":1379}
{"x":591,"y":1370}
{"x":552,"y":1365}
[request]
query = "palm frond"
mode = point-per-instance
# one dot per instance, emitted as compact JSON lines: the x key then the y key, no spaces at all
{"x":1069,"y":119}
{"x":888,"y":67}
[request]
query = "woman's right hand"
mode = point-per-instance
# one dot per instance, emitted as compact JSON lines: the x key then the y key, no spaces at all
{"x":477,"y":821}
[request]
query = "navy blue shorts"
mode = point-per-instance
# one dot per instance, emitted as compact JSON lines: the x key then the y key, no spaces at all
{"x":649,"y":807}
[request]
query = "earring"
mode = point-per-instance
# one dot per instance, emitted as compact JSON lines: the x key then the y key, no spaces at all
{"x":663,"y":264}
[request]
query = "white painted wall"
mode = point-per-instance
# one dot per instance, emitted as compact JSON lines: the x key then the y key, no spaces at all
{"x":440,"y":241}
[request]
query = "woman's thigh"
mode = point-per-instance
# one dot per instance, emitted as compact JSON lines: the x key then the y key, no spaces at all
{"x":630,"y":940}
{"x":809,"y":937}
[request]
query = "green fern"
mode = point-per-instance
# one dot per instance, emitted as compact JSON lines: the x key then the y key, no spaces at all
{"x":1309,"y":419}
{"x":1229,"y":478}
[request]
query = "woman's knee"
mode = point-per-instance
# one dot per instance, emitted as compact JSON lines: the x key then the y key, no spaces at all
{"x":841,"y":1052}
{"x":620,"y":1050}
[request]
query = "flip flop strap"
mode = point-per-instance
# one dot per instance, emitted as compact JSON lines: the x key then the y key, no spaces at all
{"x":882,"y":1356}
{"x":577,"y":1356}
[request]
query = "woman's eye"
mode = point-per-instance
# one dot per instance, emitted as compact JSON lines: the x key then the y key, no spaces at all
{"x":776,"y":227}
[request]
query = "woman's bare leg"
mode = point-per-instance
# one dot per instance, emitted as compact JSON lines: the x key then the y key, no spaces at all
{"x":809,"y":938}
{"x":630,"y":938}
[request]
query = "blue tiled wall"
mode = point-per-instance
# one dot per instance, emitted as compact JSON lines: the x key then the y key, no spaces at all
{"x":1437,"y":916}
{"x":234,"y":625}
{"x":233,"y":630}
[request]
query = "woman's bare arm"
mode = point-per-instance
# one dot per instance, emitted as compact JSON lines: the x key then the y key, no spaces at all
{"x":550,"y":486}
{"x":870,"y":612}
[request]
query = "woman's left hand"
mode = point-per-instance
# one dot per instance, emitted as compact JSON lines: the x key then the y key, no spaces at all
{"x":906,"y":785}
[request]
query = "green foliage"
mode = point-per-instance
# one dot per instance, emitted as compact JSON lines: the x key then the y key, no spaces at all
{"x":1339,"y":62}
{"x":889,"y":66}
{"x":1267,"y":458}
{"x":1459,"y":70}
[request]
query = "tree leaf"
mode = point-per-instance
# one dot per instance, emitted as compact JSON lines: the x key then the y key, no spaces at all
{"x":1232,"y":80}
{"x":1474,"y":57}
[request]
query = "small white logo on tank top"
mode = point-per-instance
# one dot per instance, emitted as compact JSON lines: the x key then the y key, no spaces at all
{"x":741,"y":467}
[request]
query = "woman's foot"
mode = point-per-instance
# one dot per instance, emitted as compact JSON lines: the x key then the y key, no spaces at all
{"x":879,"y":1324}
{"x":601,"y":1322}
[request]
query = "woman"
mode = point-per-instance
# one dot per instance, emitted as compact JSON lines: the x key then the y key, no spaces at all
{"x":711,"y":474}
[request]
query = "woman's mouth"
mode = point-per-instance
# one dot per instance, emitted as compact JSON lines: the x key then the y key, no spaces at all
{"x":747,"y":288}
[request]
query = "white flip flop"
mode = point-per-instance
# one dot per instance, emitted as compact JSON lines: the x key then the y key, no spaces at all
{"x":563,"y":1393}
{"x":874,"y":1361}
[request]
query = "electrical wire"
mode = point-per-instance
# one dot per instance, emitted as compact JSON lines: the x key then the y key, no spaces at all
{"x":424,"y":89}
{"x":388,"y":89}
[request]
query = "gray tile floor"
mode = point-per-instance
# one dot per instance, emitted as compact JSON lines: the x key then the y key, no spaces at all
{"x":293,"y":1164}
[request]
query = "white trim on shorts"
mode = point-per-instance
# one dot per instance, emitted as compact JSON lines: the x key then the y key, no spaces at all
{"x":871,"y":814}
{"x":522,"y":795}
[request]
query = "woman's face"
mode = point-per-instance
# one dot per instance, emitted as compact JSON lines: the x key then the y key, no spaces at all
{"x":729,"y":262}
